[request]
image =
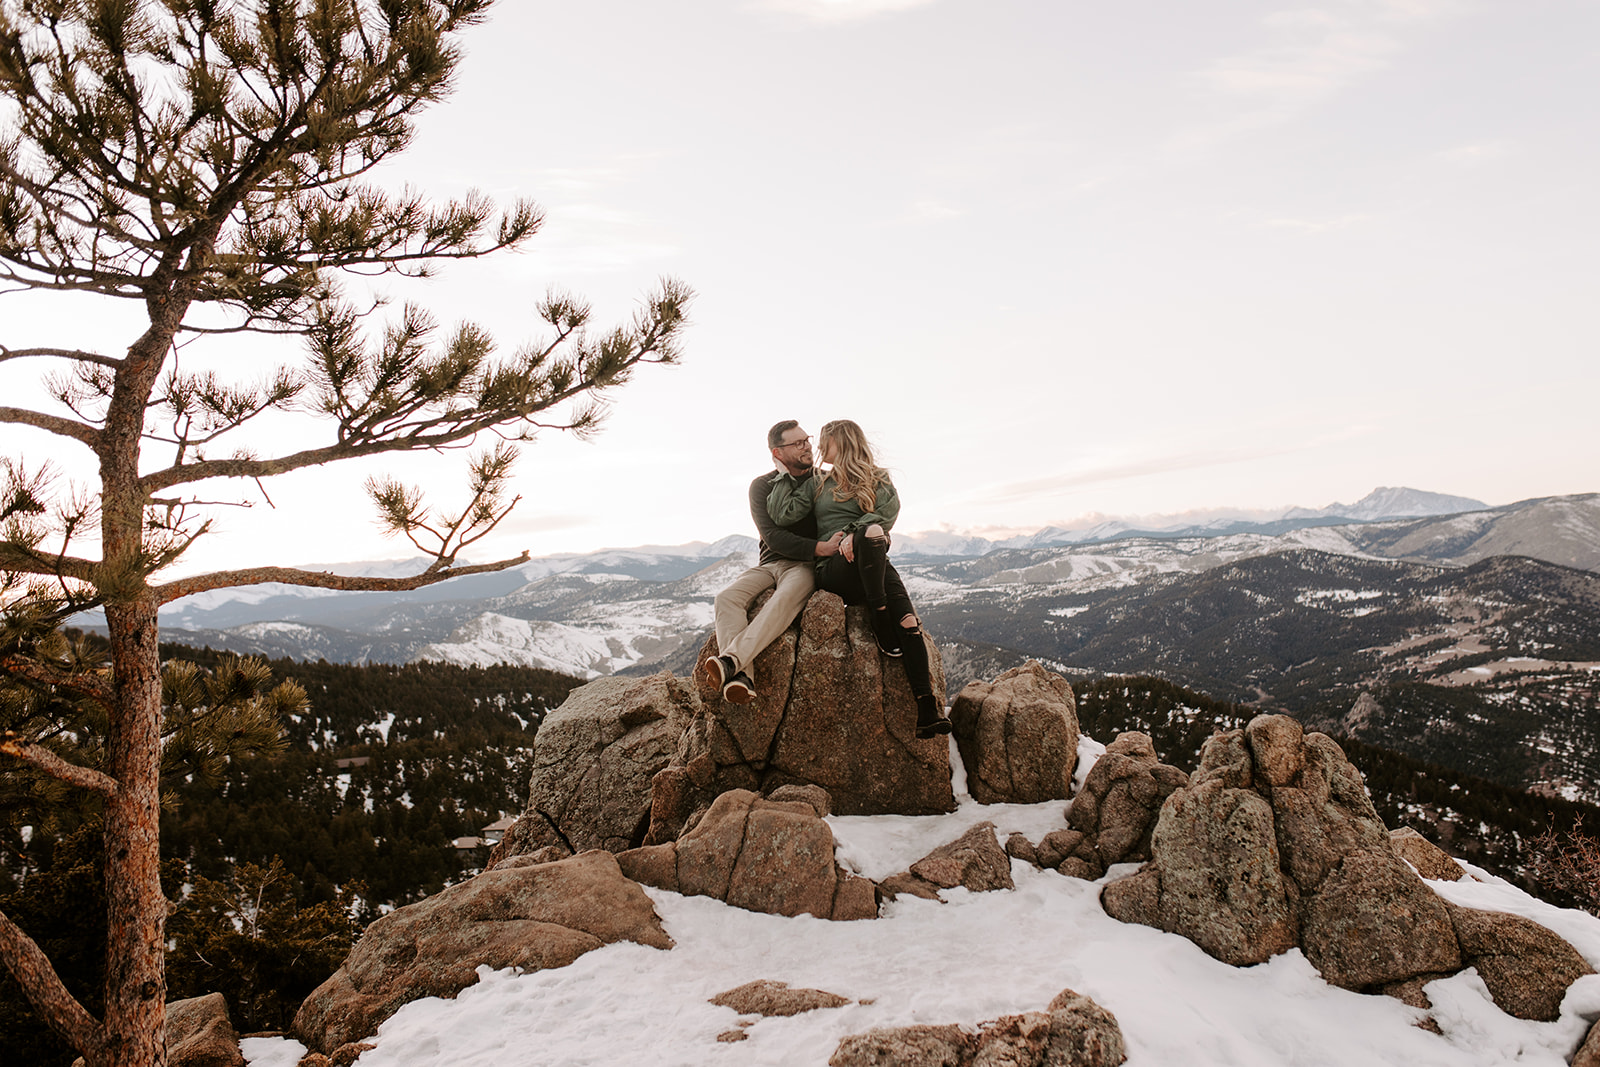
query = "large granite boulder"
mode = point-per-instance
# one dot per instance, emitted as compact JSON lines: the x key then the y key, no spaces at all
{"x":1216,"y":877}
{"x":593,"y":759}
{"x":904,"y":1046}
{"x":1073,"y":1031}
{"x":1018,"y":736}
{"x":532,"y":917}
{"x":1114,"y":814}
{"x":1372,"y":922}
{"x":830,"y":710}
{"x":1275,"y":843}
{"x":773,"y":856}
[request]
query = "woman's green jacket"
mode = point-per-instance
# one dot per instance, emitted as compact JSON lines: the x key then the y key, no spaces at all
{"x":791,"y":497}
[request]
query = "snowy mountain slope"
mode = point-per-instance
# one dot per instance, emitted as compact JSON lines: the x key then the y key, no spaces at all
{"x":1564,"y":530}
{"x":1385,"y":502}
{"x":224,"y":608}
{"x":590,"y":624}
{"x":1119,"y":564}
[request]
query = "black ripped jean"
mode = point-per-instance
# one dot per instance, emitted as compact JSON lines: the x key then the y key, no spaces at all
{"x":872,"y":580}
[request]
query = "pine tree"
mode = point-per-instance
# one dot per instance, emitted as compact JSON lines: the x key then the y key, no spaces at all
{"x":208,"y":161}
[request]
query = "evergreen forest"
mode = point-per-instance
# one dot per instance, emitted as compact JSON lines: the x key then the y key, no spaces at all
{"x":275,"y":867}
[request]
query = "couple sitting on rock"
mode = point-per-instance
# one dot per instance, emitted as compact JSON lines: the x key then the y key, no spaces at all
{"x":822,"y":530}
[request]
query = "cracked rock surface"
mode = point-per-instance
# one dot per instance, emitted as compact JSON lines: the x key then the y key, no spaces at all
{"x":830,"y":711}
{"x":593,"y":759}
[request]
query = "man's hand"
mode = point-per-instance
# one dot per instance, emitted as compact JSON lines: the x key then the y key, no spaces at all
{"x":830,"y":547}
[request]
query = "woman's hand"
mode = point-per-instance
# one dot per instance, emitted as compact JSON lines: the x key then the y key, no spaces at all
{"x":847,"y":548}
{"x":830,"y":547}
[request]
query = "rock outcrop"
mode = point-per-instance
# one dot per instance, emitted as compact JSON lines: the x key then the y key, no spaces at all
{"x":631,"y":761}
{"x":532,"y":917}
{"x":593,"y":759}
{"x":830,"y":710}
{"x":1018,"y":736}
{"x":1073,"y":1031}
{"x":773,"y":856}
{"x":1275,"y":844}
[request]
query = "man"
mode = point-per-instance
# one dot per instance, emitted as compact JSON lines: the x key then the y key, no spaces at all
{"x":787,"y":555}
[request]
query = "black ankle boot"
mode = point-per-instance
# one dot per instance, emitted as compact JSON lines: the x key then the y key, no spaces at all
{"x":931,"y":721}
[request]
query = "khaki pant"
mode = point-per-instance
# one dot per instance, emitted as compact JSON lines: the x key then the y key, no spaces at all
{"x":742,"y":638}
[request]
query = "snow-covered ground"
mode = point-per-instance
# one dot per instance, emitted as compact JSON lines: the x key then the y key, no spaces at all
{"x":974,"y":957}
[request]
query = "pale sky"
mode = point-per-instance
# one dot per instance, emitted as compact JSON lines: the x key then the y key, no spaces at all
{"x":1057,"y":258}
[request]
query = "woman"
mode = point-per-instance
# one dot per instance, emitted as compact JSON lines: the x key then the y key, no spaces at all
{"x":856,"y":498}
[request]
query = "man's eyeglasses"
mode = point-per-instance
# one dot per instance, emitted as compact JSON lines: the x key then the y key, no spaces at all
{"x":793,"y":444}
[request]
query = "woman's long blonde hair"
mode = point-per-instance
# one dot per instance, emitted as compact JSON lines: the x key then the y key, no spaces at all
{"x":854,"y":475}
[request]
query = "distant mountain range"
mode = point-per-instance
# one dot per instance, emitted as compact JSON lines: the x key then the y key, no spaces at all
{"x":1469,"y":638}
{"x":598,"y":612}
{"x":1380,"y":504}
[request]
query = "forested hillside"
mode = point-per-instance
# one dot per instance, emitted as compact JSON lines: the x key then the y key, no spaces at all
{"x":278,"y":866}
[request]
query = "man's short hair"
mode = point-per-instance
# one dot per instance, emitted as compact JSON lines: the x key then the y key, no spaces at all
{"x":775,"y":435}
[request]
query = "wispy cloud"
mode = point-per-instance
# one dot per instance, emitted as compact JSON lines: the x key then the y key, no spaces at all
{"x":1472,"y":155}
{"x":1120,"y":472}
{"x":929,"y":210}
{"x":1170,"y":462}
{"x":1311,"y":54}
{"x":835,"y":11}
{"x":1315,"y":226}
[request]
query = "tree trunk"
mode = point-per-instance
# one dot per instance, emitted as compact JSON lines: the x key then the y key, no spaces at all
{"x":133,"y":1031}
{"x":136,"y":911}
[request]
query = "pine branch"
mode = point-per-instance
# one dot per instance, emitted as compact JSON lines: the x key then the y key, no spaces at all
{"x":20,"y":748}
{"x":201,"y":583}
{"x":414,"y":437}
{"x":24,"y":560}
{"x":85,"y":684}
{"x":44,"y":988}
{"x":61,"y":353}
{"x":52,"y":423}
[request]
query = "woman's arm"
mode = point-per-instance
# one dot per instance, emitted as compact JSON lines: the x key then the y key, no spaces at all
{"x":790,"y":499}
{"x":885,"y":509}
